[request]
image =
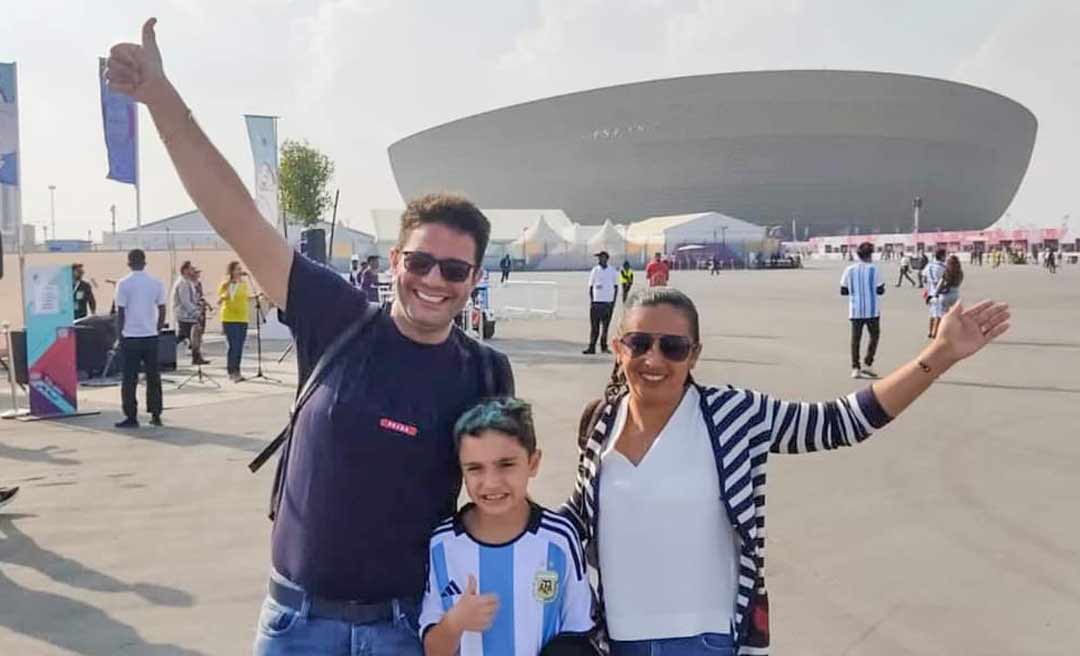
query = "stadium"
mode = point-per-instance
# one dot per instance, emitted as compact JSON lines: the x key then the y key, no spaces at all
{"x":836,"y":151}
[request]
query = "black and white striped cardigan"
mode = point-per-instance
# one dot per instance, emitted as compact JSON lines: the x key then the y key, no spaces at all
{"x":744,"y":427}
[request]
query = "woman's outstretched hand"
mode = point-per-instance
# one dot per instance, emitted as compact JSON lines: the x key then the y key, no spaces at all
{"x":136,"y":70}
{"x":964,"y":331}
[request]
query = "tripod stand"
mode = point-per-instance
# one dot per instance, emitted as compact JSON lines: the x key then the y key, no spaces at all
{"x":259,"y":318}
{"x":203,"y":379}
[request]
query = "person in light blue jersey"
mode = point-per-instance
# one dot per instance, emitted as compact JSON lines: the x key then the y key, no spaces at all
{"x":506,"y":576}
{"x":862,"y":284}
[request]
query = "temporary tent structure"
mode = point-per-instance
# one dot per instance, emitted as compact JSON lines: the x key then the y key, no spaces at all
{"x":609,"y":239}
{"x":728,"y":238}
{"x":543,"y":247}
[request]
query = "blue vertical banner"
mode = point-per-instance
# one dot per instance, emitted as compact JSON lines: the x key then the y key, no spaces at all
{"x":120,"y":119}
{"x":262,"y":132}
{"x":9,"y":151}
{"x":50,"y":340}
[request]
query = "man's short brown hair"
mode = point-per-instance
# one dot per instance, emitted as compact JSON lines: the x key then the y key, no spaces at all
{"x":451,"y":210}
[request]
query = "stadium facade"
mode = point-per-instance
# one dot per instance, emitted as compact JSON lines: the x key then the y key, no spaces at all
{"x":837,"y":151}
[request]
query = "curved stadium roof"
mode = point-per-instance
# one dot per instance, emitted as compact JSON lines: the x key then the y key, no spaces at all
{"x":830,"y":148}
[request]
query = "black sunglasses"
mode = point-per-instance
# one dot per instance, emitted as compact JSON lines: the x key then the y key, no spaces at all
{"x":673,"y":347}
{"x":453,"y":270}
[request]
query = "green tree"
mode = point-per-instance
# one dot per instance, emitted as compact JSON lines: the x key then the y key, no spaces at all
{"x":305,"y":173}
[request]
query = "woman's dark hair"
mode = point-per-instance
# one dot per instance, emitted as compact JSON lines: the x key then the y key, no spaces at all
{"x":653,"y":297}
{"x":954,"y":273}
{"x":506,"y":415}
{"x":451,"y":210}
{"x":231,"y":268}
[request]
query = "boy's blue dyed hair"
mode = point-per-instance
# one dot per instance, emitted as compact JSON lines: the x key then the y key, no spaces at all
{"x":506,"y":415}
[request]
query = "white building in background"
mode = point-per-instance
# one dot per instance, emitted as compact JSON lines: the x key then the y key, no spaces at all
{"x":191,"y":231}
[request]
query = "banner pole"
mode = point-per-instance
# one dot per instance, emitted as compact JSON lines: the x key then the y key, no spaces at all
{"x":138,"y":183}
{"x":18,"y":194}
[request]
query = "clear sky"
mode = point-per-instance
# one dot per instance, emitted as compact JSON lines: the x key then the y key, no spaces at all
{"x":352,"y":76}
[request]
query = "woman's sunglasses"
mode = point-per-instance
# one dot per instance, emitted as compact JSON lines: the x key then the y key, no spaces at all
{"x":420,"y":263}
{"x":673,"y":347}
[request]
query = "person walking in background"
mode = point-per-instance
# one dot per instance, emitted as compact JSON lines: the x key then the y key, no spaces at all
{"x":626,"y":279}
{"x":933,"y":273}
{"x":505,"y":265}
{"x":1051,"y":260}
{"x":369,"y":279}
{"x":862,"y":284}
{"x":658,"y":271}
{"x":233,"y":298}
{"x":140,"y":307}
{"x":83,"y":292}
{"x":603,"y":288}
{"x":355,"y":270}
{"x":905,"y":271}
{"x":946,"y":293}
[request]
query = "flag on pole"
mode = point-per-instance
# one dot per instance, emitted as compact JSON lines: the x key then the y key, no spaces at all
{"x":9,"y":151}
{"x":262,"y":132}
{"x":120,"y":119}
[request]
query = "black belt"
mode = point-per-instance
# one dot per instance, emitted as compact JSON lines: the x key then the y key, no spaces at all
{"x":353,"y":612}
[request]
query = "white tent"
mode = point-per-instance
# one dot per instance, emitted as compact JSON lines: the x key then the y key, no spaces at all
{"x":543,"y":247}
{"x":609,"y":239}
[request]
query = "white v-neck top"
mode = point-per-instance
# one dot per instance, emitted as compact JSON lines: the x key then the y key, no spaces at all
{"x":667,"y":550}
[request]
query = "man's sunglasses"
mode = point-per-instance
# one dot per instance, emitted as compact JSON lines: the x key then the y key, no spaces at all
{"x":673,"y":347}
{"x":453,"y":270}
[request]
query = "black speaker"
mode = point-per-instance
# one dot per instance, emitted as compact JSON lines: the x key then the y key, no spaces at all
{"x":18,"y":357}
{"x":167,"y":350}
{"x":313,"y":244}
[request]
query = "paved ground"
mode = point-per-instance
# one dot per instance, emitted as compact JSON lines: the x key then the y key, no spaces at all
{"x":954,"y":532}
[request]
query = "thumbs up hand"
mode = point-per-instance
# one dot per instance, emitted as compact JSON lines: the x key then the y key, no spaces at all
{"x":136,"y":70}
{"x":473,"y":612}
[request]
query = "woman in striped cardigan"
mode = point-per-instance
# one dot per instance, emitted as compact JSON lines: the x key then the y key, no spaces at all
{"x":666,"y":444}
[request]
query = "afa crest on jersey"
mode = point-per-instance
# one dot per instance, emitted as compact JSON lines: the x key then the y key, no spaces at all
{"x":546,"y":586}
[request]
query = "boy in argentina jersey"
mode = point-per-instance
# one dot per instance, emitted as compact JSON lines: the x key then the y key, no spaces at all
{"x":505,"y":575}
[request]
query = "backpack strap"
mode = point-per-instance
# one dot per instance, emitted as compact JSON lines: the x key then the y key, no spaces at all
{"x":336,"y":347}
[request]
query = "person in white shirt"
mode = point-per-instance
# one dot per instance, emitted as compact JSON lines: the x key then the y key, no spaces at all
{"x":905,"y":271}
{"x":140,"y":306}
{"x":862,"y":284}
{"x":671,"y":477}
{"x":603,"y":286}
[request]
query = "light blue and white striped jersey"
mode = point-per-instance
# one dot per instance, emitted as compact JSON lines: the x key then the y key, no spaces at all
{"x":539,"y":578}
{"x":935,"y":271}
{"x":862,"y":280}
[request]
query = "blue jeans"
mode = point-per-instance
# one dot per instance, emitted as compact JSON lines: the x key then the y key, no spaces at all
{"x":235,"y":334}
{"x":706,"y":644}
{"x":285,"y":631}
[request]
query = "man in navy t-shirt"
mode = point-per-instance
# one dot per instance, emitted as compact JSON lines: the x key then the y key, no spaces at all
{"x":371,"y":467}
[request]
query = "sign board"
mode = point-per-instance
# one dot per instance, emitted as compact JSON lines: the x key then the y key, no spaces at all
{"x":50,"y":340}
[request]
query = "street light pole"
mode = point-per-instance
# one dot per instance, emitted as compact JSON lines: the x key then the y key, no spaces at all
{"x":52,"y":209}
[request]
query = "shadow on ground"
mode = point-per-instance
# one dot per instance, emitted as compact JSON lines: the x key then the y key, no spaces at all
{"x":98,"y":634}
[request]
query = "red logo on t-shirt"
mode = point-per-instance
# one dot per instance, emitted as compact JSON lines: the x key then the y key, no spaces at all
{"x":398,"y":427}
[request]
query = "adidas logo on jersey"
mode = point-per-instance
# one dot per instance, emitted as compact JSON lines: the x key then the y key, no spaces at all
{"x":450,"y":590}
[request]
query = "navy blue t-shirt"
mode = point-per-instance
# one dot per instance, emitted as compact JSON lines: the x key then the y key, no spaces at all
{"x":372,"y":467}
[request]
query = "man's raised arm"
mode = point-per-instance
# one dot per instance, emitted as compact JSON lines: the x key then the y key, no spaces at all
{"x":136,"y":70}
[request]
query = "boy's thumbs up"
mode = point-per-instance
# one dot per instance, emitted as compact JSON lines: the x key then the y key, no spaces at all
{"x":470,"y":585}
